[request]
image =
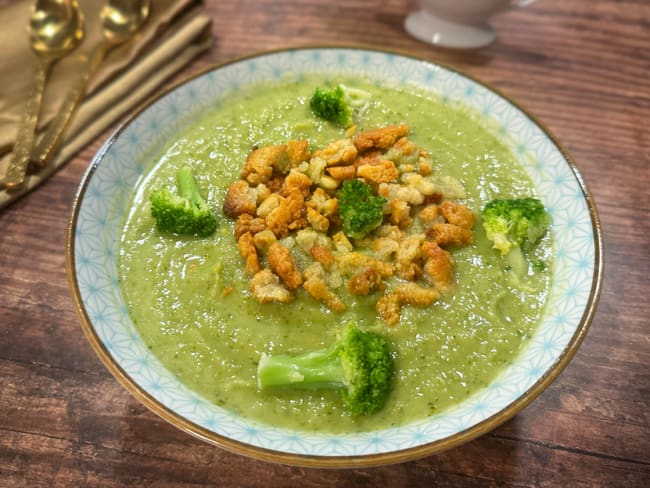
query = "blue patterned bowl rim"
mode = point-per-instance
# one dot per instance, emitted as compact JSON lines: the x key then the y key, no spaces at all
{"x":105,"y":191}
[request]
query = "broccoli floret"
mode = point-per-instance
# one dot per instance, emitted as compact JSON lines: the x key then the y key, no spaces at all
{"x":339,"y":104}
{"x":185,"y":213}
{"x":360,"y":210}
{"x":519,"y":222}
{"x":359,"y":364}
{"x":330,"y":104}
{"x":513,"y":225}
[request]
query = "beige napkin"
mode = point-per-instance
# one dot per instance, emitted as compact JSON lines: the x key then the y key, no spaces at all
{"x":175,"y":32}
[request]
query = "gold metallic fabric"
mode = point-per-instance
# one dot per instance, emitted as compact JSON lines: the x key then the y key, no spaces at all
{"x":174,"y":34}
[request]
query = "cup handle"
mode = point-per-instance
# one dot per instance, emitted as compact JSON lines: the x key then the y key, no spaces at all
{"x":521,"y":3}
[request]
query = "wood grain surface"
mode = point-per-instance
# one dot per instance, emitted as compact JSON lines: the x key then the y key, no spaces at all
{"x":581,"y":66}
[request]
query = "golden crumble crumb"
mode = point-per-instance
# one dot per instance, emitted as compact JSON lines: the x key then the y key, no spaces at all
{"x":297,"y":151}
{"x":388,"y":308}
{"x":450,"y":235}
{"x":429,"y":213}
{"x":438,"y":266}
{"x":341,"y":152}
{"x":365,"y":282}
{"x":249,"y":252}
{"x":263,"y":240}
{"x":266,"y":287}
{"x":382,"y":172}
{"x":282,"y":263}
{"x":262,"y":161}
{"x":318,"y":289}
{"x":342,"y":172}
{"x":240,"y":199}
{"x":323,"y":255}
{"x":317,"y":221}
{"x":381,"y":138}
{"x":248,"y":223}
{"x":457,"y":214}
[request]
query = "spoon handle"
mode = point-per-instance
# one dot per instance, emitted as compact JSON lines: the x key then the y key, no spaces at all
{"x":25,"y":138}
{"x":57,"y":128}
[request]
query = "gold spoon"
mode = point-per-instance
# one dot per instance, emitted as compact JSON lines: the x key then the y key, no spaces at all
{"x":121,"y":19}
{"x":56,"y":27}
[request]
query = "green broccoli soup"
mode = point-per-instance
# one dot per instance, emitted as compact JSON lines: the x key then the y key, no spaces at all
{"x":209,"y":313}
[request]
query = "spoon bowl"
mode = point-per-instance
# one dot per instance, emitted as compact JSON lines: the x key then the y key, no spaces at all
{"x":121,"y":19}
{"x":56,"y":27}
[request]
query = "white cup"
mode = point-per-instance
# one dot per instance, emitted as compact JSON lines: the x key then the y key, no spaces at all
{"x":457,"y":23}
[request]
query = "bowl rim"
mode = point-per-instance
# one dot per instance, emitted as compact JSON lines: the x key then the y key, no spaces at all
{"x":309,"y":460}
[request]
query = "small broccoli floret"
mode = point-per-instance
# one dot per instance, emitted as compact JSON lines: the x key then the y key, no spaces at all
{"x":185,"y":213}
{"x":519,"y":222}
{"x":513,"y":225}
{"x":359,"y":365}
{"x":331,"y":106}
{"x":338,"y":105}
{"x":359,"y":209}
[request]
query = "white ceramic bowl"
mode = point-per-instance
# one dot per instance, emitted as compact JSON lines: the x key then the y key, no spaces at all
{"x":105,"y":191}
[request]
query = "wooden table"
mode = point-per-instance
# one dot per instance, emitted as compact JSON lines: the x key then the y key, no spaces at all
{"x":583,"y":67}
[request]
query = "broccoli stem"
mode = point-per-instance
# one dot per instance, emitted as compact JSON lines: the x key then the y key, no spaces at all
{"x":516,"y":261}
{"x":312,"y":370}
{"x":187,"y":187}
{"x":359,"y":364}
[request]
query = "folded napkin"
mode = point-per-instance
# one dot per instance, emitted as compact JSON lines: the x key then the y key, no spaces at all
{"x":176,"y":31}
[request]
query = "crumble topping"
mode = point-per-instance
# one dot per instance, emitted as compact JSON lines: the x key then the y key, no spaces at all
{"x":289,"y":232}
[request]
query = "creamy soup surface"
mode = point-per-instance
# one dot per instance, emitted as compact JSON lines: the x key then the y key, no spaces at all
{"x":174,"y":286}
